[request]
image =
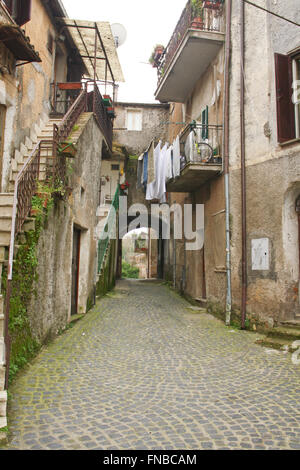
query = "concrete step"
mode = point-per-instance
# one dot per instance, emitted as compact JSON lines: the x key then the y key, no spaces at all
{"x":3,"y":403}
{"x":1,"y":324}
{"x":288,"y":333}
{"x":2,"y":352}
{"x":6,"y":211}
{"x":5,"y":223}
{"x":2,"y":381}
{"x":6,"y":199}
{"x":4,"y":238}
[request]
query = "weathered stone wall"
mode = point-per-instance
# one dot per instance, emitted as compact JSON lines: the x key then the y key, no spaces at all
{"x":154,"y":126}
{"x":51,"y":308}
{"x":26,"y":90}
{"x":273,"y":170}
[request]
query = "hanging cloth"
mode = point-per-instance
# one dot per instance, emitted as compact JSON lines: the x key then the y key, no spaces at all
{"x":176,"y":157}
{"x":139,"y":171}
{"x":151,"y":186}
{"x":151,"y":163}
{"x":168,"y":164}
{"x":145,"y":170}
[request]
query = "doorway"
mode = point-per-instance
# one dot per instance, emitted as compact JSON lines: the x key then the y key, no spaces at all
{"x":75,"y":270}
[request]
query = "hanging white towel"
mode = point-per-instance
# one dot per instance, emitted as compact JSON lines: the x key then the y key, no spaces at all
{"x":168,"y":164}
{"x":176,"y":157}
{"x":189,"y":147}
{"x":151,"y":187}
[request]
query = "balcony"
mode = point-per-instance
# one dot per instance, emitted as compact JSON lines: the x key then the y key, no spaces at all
{"x":15,"y":39}
{"x":201,"y":150}
{"x":194,"y":44}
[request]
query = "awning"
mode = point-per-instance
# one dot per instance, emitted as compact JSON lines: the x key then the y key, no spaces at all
{"x":85,"y":35}
{"x":15,"y":40}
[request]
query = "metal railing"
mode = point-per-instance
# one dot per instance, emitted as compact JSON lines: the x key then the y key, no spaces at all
{"x":201,"y":143}
{"x":109,"y":229}
{"x":25,"y":188}
{"x":209,"y":20}
{"x":95,"y":105}
{"x":54,"y":168}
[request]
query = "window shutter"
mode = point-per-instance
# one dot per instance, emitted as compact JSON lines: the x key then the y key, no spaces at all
{"x":284,"y":91}
{"x":23,"y":12}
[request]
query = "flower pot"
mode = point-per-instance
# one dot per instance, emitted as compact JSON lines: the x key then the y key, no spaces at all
{"x":68,"y":149}
{"x":33,"y":212}
{"x":197,"y":23}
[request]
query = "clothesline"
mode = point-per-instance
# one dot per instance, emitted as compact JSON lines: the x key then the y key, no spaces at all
{"x":156,"y":166}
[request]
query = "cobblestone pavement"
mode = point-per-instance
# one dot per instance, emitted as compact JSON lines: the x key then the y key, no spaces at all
{"x":142,"y":371}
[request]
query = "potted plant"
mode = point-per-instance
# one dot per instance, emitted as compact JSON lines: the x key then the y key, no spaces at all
{"x":197,"y":14}
{"x":156,"y":55}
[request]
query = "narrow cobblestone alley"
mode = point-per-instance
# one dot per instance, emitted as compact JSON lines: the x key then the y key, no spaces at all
{"x":143,"y":371}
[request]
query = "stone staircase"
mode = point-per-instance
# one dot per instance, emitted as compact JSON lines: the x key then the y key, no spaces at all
{"x":44,"y":131}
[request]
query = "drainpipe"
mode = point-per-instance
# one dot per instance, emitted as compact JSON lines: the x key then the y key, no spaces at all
{"x":226,"y":160}
{"x":243,"y":168}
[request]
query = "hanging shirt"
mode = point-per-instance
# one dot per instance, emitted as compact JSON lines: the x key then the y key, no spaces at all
{"x":168,"y":164}
{"x":189,"y":147}
{"x":151,"y":186}
{"x":145,"y":170}
{"x":176,"y":157}
{"x":151,"y":163}
{"x":139,"y":171}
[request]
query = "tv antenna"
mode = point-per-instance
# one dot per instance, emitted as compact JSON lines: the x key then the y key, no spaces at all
{"x":119,"y":34}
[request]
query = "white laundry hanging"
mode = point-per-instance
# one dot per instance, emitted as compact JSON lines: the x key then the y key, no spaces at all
{"x":176,"y":157}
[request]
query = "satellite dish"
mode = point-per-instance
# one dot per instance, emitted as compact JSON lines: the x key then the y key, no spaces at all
{"x":119,"y":34}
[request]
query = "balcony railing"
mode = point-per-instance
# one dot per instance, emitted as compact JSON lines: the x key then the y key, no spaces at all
{"x":210,"y":19}
{"x":201,"y":143}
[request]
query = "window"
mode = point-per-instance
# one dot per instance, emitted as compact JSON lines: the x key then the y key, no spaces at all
{"x":115,"y":167}
{"x":50,"y":42}
{"x":287,"y":71}
{"x":20,"y":10}
{"x":134,"y":120}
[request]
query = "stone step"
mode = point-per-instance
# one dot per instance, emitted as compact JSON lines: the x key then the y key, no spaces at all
{"x":6,"y":199}
{"x":1,"y":324}
{"x":3,"y":403}
{"x":2,"y":381}
{"x":285,"y":332}
{"x":4,"y":238}
{"x":5,"y":223}
{"x":2,"y":352}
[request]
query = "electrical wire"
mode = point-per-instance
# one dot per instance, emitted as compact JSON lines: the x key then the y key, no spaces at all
{"x":271,"y":12}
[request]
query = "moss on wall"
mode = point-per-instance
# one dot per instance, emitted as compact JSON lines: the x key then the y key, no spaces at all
{"x":24,"y":346}
{"x":107,"y":278}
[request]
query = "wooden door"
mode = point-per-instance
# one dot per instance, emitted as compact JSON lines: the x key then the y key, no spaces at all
{"x":75,"y":271}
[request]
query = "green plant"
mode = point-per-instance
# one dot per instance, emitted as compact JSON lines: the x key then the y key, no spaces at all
{"x":129,"y":272}
{"x":156,"y":52}
{"x":24,"y":345}
{"x":197,"y":6}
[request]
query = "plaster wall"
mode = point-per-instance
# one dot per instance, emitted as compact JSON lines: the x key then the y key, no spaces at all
{"x":51,"y":309}
{"x":273,"y":171}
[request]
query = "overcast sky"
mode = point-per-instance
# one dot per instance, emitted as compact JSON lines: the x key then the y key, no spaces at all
{"x":148,"y":22}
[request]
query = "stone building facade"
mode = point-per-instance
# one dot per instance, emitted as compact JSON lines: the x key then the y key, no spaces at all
{"x":271,"y":147}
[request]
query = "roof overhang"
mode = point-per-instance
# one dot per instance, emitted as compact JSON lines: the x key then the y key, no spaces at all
{"x":94,"y":40}
{"x":15,"y":40}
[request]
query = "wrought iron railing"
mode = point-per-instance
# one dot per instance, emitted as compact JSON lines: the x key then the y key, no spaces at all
{"x":95,"y":105}
{"x":191,"y":18}
{"x":201,"y":143}
{"x":109,"y":230}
